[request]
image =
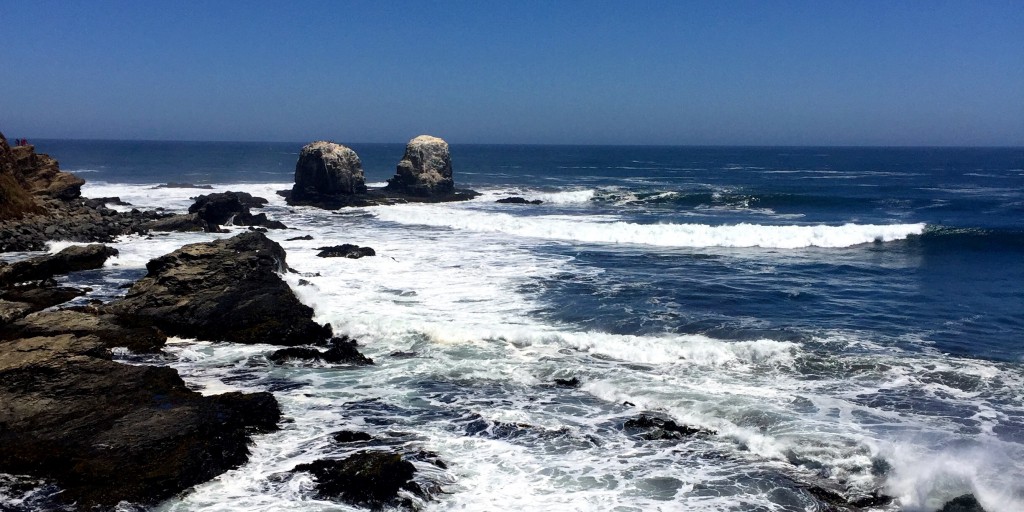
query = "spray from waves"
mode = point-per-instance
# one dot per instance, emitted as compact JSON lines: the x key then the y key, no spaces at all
{"x":666,"y":235}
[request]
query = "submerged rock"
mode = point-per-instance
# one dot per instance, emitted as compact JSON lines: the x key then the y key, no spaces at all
{"x":425,"y":169}
{"x":107,"y":432}
{"x":965,"y":503}
{"x":351,"y":436}
{"x":518,"y":200}
{"x":326,"y":170}
{"x":369,"y":479}
{"x":225,"y":290}
{"x":653,"y":428}
{"x":568,"y":383}
{"x":343,"y":350}
{"x":345,"y":251}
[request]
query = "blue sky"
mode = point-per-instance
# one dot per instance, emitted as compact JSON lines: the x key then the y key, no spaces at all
{"x":557,"y":72}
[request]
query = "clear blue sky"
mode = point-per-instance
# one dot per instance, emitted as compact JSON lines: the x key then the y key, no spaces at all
{"x":557,"y":71}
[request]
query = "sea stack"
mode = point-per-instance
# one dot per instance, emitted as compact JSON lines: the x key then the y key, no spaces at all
{"x":326,"y":170}
{"x":425,"y":170}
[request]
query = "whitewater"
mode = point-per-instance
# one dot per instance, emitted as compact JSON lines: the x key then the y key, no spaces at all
{"x":817,"y":331}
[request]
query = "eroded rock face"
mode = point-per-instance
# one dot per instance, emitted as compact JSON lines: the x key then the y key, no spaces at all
{"x":425,"y":169}
{"x":226,"y":290}
{"x":107,"y":432}
{"x":326,"y":170}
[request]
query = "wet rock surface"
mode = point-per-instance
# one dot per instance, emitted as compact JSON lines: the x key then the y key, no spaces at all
{"x":654,"y":428}
{"x":345,"y":251}
{"x":226,"y":290}
{"x":965,"y":503}
{"x":341,"y":351}
{"x":70,"y":259}
{"x":371,"y":479}
{"x":518,"y":200}
{"x":231,"y":208}
{"x":107,"y":329}
{"x":107,"y":432}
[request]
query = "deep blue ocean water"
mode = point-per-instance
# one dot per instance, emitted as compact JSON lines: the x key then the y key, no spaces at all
{"x":824,"y":309}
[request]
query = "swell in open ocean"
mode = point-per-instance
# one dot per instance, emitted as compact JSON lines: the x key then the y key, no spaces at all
{"x":848,"y":323}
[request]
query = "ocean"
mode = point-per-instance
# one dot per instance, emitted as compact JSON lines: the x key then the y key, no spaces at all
{"x":843,"y":318}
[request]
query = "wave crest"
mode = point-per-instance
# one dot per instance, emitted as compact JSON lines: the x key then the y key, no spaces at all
{"x":665,"y":235}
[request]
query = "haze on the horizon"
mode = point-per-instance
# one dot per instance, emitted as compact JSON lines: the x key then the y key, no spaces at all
{"x":565,"y":72}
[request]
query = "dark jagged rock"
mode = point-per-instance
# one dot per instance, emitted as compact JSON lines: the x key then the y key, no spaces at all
{"x":306,"y":237}
{"x":231,"y":208}
{"x":369,"y":479}
{"x":345,"y":251}
{"x":965,"y":503}
{"x":326,"y":171}
{"x":108,"y":329}
{"x":518,"y":200}
{"x":107,"y":432}
{"x":342,"y":350}
{"x":225,"y":290}
{"x":568,"y":383}
{"x":181,"y":222}
{"x":70,"y":259}
{"x":173,"y":184}
{"x":351,"y":436}
{"x":425,"y":169}
{"x":97,"y":202}
{"x":652,"y":428}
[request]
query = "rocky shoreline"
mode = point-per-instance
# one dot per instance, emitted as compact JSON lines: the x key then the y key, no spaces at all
{"x":100,"y":431}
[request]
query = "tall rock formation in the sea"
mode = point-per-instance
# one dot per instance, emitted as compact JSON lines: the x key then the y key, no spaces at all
{"x":425,"y":170}
{"x":327,"y":170}
{"x":27,"y":178}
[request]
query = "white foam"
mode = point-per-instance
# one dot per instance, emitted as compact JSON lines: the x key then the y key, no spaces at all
{"x":668,"y":235}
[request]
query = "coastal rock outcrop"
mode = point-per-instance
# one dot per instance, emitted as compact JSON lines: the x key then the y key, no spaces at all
{"x":70,"y":259}
{"x":326,"y":170}
{"x":226,"y":290}
{"x":107,"y":432}
{"x":231,"y":208}
{"x":425,"y":169}
{"x":108,"y":329}
{"x":342,"y":350}
{"x":366,"y":478}
{"x":350,"y":251}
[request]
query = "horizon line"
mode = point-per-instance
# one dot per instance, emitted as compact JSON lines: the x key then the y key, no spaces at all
{"x":851,"y":146}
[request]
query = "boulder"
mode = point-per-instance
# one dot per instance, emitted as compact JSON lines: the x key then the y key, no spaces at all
{"x":325,"y":170}
{"x":231,"y":208}
{"x":70,"y":259}
{"x":225,"y":290}
{"x":345,"y":251}
{"x":343,"y":350}
{"x":425,"y":169}
{"x":189,"y":222}
{"x":107,"y":432}
{"x":652,"y":428}
{"x":369,"y":479}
